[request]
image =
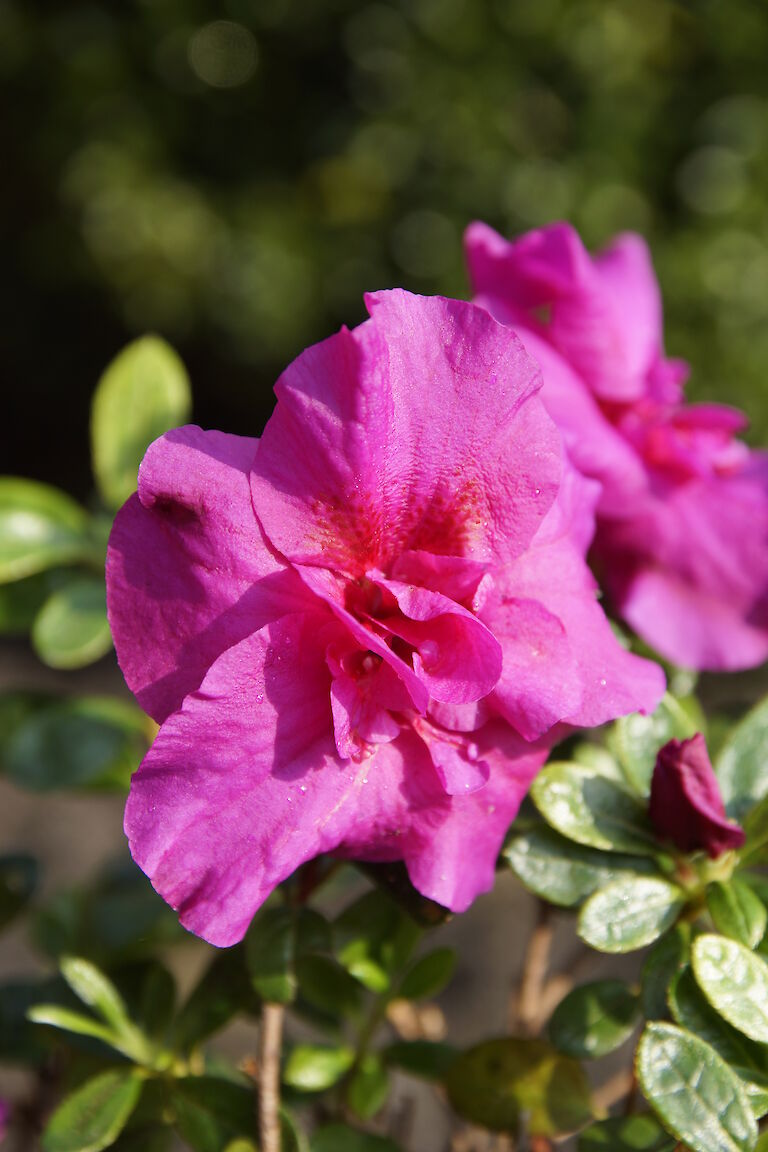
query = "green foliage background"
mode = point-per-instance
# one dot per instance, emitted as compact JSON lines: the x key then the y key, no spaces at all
{"x":235,"y":174}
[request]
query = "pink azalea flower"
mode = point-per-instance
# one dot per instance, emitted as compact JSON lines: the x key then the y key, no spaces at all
{"x":682,"y":529}
{"x":686,"y":807}
{"x":359,"y":633}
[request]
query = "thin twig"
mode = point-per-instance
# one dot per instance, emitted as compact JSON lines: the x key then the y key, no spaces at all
{"x":270,"y":1047}
{"x":534,"y":972}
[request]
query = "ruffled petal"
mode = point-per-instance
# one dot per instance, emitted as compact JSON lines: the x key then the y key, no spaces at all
{"x":189,"y":572}
{"x":418,"y":431}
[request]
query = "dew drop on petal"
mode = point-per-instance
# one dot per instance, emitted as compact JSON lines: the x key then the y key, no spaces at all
{"x":603,"y":683}
{"x":472,"y":752}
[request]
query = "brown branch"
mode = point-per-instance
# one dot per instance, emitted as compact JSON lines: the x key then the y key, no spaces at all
{"x":270,"y":1047}
{"x":534,"y":975}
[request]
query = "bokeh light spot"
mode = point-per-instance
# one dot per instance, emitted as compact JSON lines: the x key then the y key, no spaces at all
{"x":223,"y":54}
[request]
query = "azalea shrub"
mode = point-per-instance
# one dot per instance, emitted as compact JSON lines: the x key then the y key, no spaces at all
{"x":444,"y":618}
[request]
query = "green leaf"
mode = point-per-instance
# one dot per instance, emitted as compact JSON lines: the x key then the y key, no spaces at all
{"x":71,"y":629}
{"x":314,"y":1067}
{"x":562,"y":872}
{"x":18,"y":879}
{"x":143,"y":393}
{"x":328,"y":986}
{"x":626,"y":1134}
{"x":592,"y":810}
{"x":210,"y":1112}
{"x":696,"y":1095}
{"x":667,"y":957}
{"x":223,"y":990}
{"x":427,"y":1058}
{"x":21,"y":601}
{"x":429,"y":975}
{"x":594,"y":1019}
{"x":494,"y":1082}
{"x":691,"y":1010}
{"x":274,"y":941}
{"x":89,"y":741}
{"x":94,"y":1116}
{"x":57,"y":1017}
{"x":737,"y":912}
{"x":368,"y":1087}
{"x":341,"y":1138}
{"x":742,"y":766}
{"x":40,"y":527}
{"x":629,"y":913}
{"x":755,"y":825}
{"x":734,"y":981}
{"x":94,"y":989}
{"x":636,"y":739}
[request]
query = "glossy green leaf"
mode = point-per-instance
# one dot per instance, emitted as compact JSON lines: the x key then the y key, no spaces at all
{"x":144,"y":392}
{"x":629,"y":913}
{"x":626,"y":1134}
{"x":737,"y":912}
{"x":71,"y":629}
{"x":691,"y":1010}
{"x":76,"y":1022}
{"x":94,"y":1116}
{"x":40,"y":527}
{"x":18,"y":879}
{"x":274,"y":941}
{"x":667,"y":957}
{"x":636,"y":739}
{"x":594,"y":1019}
{"x":429,"y":1059}
{"x":96,"y":990}
{"x":497,"y":1080}
{"x":755,"y":823}
{"x":314,"y":1067}
{"x":592,"y":809}
{"x":368,"y":1087}
{"x":734,"y":981}
{"x":742,"y":766}
{"x":210,"y":1112}
{"x":564,"y":873}
{"x":694,"y":1092}
{"x":341,"y":1138}
{"x":429,"y":975}
{"x":87,"y":741}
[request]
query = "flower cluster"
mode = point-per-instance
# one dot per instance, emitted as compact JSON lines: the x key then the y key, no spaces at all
{"x":682,"y":521}
{"x":363,"y":633}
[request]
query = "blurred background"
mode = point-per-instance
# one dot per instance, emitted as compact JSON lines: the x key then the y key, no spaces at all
{"x":233,"y":175}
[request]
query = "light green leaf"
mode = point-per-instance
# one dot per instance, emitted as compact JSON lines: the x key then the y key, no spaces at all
{"x":594,"y":1019}
{"x":94,"y":989}
{"x":742,"y":766}
{"x":755,"y":825}
{"x":94,"y":1116}
{"x":626,"y":1134}
{"x":494,"y":1082}
{"x":737,"y":912}
{"x":637,"y":739}
{"x":629,"y":913}
{"x":143,"y":393}
{"x":69,"y":1021}
{"x":429,"y":975}
{"x":71,"y":629}
{"x":734,"y":981}
{"x":592,"y":809}
{"x":696,"y":1095}
{"x":313,"y":1067}
{"x":564,"y":873}
{"x":40,"y":527}
{"x":368,"y":1087}
{"x":691,"y":1010}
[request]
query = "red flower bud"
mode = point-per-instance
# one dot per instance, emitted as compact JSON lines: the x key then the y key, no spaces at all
{"x":686,"y":806}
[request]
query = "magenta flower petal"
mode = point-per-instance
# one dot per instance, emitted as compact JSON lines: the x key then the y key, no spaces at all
{"x":686,"y":806}
{"x":188,"y":570}
{"x":412,"y":433}
{"x":243,"y":783}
